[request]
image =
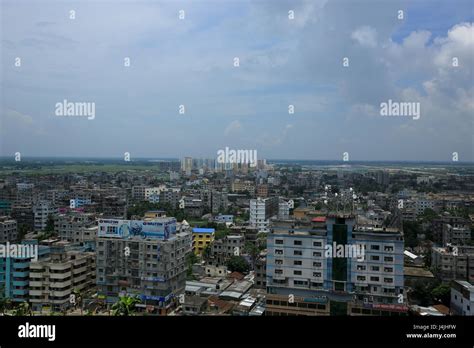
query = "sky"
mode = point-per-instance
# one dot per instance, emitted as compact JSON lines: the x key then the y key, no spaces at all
{"x":282,"y":61}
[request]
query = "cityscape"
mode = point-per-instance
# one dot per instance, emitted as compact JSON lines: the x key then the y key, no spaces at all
{"x":202,"y":169}
{"x":197,"y":237}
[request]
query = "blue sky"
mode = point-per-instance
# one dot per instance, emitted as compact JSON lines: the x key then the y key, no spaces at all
{"x":282,"y":62}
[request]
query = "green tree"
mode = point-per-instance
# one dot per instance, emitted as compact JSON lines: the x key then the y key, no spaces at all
{"x":252,"y":250}
{"x":125,"y":306}
{"x":442,"y":293}
{"x":237,"y":264}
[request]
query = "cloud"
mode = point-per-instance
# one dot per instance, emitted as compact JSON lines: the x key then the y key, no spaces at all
{"x":233,"y":127}
{"x":365,"y":36}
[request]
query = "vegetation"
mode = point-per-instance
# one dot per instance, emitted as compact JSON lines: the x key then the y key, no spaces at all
{"x":238,"y":264}
{"x":125,"y":306}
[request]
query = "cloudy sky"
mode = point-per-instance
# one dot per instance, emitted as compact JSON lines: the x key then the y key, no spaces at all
{"x":426,"y":57}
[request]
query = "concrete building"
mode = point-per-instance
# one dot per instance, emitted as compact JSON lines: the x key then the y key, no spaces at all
{"x":456,"y":235}
{"x":283,"y":211}
{"x":187,"y":165}
{"x":15,"y":272}
{"x":142,"y":258}
{"x":453,"y":262}
{"x":54,"y":278}
{"x":76,"y":227}
{"x":202,"y":237}
{"x":42,"y":210}
{"x":261,"y":210}
{"x":462,"y":298}
{"x":8,"y":229}
{"x":223,"y":249}
{"x":305,"y":275}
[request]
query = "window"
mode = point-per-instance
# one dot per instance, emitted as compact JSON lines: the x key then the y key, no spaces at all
{"x":278,"y":241}
{"x":297,"y":263}
{"x":375,"y":268}
{"x":316,"y":264}
{"x":278,"y":271}
{"x":316,"y":254}
{"x":297,"y":242}
{"x":361,"y":268}
{"x":278,"y":262}
{"x":296,"y":272}
{"x":388,"y":259}
{"x":388,"y":269}
{"x":317,"y":244}
{"x":317,"y":274}
{"x":388,"y":280}
{"x":298,"y":252}
{"x":361,"y":278}
{"x":278,"y":251}
{"x":388,"y":248}
{"x":374,"y":279}
{"x":375,"y":247}
{"x":375,"y":258}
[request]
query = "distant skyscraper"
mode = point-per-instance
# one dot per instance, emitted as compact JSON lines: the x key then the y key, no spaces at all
{"x":187,"y":165}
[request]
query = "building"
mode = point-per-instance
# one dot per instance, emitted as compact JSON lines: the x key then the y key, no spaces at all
{"x":283,"y":211}
{"x":8,"y":229}
{"x":56,"y":276}
{"x":453,"y":262}
{"x":15,"y":272}
{"x":223,"y":249}
{"x":24,"y":216}
{"x":142,"y":258}
{"x":334,"y":268}
{"x":261,"y":210}
{"x":462,"y":298}
{"x":187,"y":165}
{"x":202,"y":237}
{"x":42,"y":210}
{"x":76,"y":227}
{"x":456,"y":235}
{"x":261,"y":271}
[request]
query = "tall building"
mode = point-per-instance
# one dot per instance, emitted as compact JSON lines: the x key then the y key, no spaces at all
{"x":8,"y":229}
{"x":333,"y":267}
{"x":142,"y":258}
{"x":187,"y":165}
{"x":15,"y":271}
{"x":42,"y":210}
{"x":261,"y":210}
{"x":54,"y":277}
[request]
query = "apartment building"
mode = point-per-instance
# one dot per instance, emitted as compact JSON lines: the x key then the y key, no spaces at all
{"x":453,"y":262}
{"x":223,"y":249}
{"x":8,"y":229}
{"x":76,"y":227}
{"x":462,"y":298}
{"x":456,"y":235}
{"x":142,"y":258}
{"x":261,"y":210}
{"x":15,"y":272}
{"x":53,"y":278}
{"x":305,"y":277}
{"x":42,"y":210}
{"x":202,"y":237}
